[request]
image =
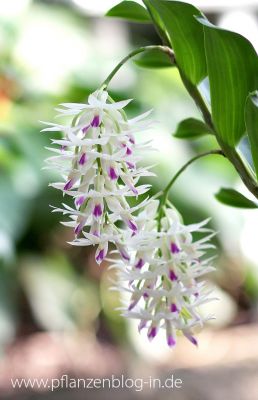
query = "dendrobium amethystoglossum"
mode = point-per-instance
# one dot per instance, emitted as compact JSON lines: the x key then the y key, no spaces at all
{"x":158,"y":262}
{"x":163,"y":275}
{"x":98,"y":160}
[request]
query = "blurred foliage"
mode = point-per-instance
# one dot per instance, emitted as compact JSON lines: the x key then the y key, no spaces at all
{"x":50,"y":52}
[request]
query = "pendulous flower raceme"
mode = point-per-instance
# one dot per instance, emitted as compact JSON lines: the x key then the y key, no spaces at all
{"x":159,"y":264}
{"x":97,"y":158}
{"x":163,"y":274}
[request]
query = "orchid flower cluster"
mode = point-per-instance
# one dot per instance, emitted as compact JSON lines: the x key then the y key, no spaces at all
{"x":97,"y":159}
{"x":162,"y":274}
{"x":158,"y":263}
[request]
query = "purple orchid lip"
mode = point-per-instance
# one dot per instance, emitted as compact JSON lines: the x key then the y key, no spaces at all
{"x":173,"y":307}
{"x":79,"y":201}
{"x":132,"y":305}
{"x":63,"y":147}
{"x":152,"y":333}
{"x":83,"y":159}
{"x":128,"y":150}
{"x":97,"y":212}
{"x":132,"y":225}
{"x":192,"y":340}
{"x":171,"y":341}
{"x":172,"y":275}
{"x":131,"y":186}
{"x":130,"y":165}
{"x":95,"y":122}
{"x":68,"y":185}
{"x":125,"y":255}
{"x":145,"y":295}
{"x":134,"y":190}
{"x":100,"y":257}
{"x":112,"y":174}
{"x":174,"y":248}
{"x":78,"y":228}
{"x":140,"y":263}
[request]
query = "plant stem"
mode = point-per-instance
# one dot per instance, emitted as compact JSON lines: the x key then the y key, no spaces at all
{"x":179,"y":172}
{"x":165,"y":49}
{"x":230,"y":153}
{"x":196,"y":96}
{"x":234,"y":157}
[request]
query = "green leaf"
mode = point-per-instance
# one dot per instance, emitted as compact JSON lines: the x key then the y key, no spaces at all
{"x":191,"y":128}
{"x":185,"y":35}
{"x":251,"y":121}
{"x":153,"y":59}
{"x":129,"y":10}
{"x":158,"y":23}
{"x":233,"y":70}
{"x":231,"y":197}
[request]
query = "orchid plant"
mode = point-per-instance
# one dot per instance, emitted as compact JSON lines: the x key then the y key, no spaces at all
{"x":158,"y":261}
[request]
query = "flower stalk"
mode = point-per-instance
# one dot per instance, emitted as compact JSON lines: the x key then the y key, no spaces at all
{"x":133,"y":53}
{"x":165,"y":193}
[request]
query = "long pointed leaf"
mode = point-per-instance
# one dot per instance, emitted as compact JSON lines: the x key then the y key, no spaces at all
{"x":233,"y":198}
{"x":184,"y":33}
{"x":153,"y":59}
{"x":233,"y":72}
{"x":129,"y":10}
{"x":191,"y":128}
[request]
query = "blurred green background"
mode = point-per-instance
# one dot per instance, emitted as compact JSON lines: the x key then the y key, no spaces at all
{"x":53,"y":296}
